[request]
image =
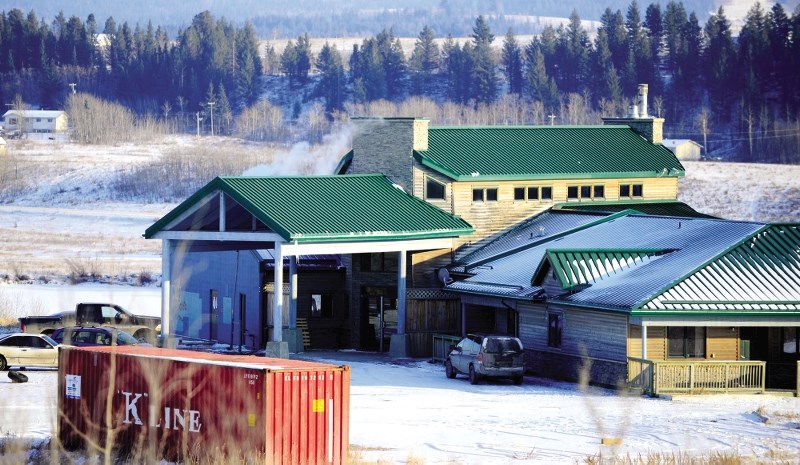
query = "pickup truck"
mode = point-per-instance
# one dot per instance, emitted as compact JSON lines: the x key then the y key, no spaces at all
{"x":144,"y":328}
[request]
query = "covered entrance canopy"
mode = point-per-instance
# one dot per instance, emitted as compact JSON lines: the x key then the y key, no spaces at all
{"x":302,"y":215}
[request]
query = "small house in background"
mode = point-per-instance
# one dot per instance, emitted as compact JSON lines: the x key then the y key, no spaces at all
{"x":684,"y":149}
{"x":34,"y":121}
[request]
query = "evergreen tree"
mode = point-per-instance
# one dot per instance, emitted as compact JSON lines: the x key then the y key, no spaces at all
{"x":368,"y":72}
{"x":606,"y":85}
{"x":538,"y":84}
{"x":247,"y":78}
{"x":655,"y":37}
{"x":458,"y":70}
{"x":394,"y":63}
{"x":424,"y":62}
{"x":572,"y":55}
{"x":512,"y":63}
{"x":296,"y":61}
{"x":780,"y":41}
{"x":794,"y":60}
{"x":289,"y":63}
{"x":225,"y":112}
{"x":616,"y":36}
{"x":639,"y":67}
{"x":754,"y":55}
{"x":331,"y":86}
{"x":674,"y":22}
{"x":719,"y":63}
{"x":483,"y":65}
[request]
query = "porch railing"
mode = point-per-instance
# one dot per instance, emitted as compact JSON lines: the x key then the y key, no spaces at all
{"x":695,"y":377}
{"x":441,"y":346}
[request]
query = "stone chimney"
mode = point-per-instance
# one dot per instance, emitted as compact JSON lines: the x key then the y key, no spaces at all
{"x":650,"y":127}
{"x":386,"y":145}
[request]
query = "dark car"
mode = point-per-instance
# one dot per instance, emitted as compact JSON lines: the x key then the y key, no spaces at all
{"x":92,"y":336}
{"x":24,"y":350}
{"x":491,"y":356}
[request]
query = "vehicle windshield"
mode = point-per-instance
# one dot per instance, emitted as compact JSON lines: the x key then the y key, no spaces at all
{"x":500,"y":345}
{"x":125,"y":339}
{"x":49,"y":339}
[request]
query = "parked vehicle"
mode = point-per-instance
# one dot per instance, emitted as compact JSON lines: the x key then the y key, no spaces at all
{"x":27,"y":350}
{"x":144,"y":328}
{"x":93,"y":336}
{"x":491,"y":356}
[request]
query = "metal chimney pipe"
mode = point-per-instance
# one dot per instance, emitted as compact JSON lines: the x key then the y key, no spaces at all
{"x":642,"y":100}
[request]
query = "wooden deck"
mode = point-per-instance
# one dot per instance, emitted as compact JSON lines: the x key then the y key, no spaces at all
{"x":656,"y":377}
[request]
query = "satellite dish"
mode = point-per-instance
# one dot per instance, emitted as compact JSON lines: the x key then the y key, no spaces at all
{"x":444,"y":276}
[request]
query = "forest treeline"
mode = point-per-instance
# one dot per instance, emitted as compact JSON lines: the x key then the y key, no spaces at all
{"x":738,"y":96}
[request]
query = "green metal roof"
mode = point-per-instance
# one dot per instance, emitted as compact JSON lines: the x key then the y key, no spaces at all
{"x":576,"y":267}
{"x":315,"y":209}
{"x":545,"y":152}
{"x":758,"y":275}
{"x":648,"y":207}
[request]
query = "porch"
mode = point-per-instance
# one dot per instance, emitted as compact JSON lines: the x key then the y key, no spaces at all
{"x":655,"y":377}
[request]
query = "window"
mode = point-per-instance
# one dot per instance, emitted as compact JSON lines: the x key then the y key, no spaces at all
{"x":381,"y":261}
{"x":630,"y":190}
{"x":488,"y":194}
{"x":433,"y":189}
{"x":585,"y":192}
{"x":321,"y":306}
{"x":532,"y":193}
{"x":554,"y":328}
{"x":572,"y":192}
{"x":790,"y":347}
{"x":686,"y":342}
{"x":599,"y":192}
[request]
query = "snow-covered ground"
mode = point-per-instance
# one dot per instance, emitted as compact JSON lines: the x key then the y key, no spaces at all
{"x":408,"y":412}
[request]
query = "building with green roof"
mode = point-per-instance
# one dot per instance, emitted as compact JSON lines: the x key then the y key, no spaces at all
{"x":226,"y":246}
{"x":496,"y":176}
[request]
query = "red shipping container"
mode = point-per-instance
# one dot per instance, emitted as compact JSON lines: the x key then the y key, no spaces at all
{"x":152,"y":403}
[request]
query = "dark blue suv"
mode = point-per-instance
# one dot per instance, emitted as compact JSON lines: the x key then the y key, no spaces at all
{"x":92,"y":336}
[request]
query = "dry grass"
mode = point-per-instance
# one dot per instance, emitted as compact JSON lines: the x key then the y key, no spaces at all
{"x":183,"y":170}
{"x":11,"y":308}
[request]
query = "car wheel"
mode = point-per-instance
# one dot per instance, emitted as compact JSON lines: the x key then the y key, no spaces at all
{"x":3,"y":364}
{"x":518,"y":380}
{"x":146,"y":336}
{"x":17,"y":377}
{"x":473,"y":376}
{"x":449,"y":371}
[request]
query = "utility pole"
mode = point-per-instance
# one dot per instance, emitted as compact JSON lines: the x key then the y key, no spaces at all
{"x":552,"y":119}
{"x":211,"y":105}
{"x":199,"y":118}
{"x":72,"y":86}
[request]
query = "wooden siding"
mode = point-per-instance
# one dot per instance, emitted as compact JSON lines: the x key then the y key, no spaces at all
{"x":489,"y":218}
{"x":428,"y":316}
{"x":425,"y":265}
{"x":599,"y":336}
{"x":420,"y":175}
{"x":721,"y":343}
{"x":656,"y":342}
